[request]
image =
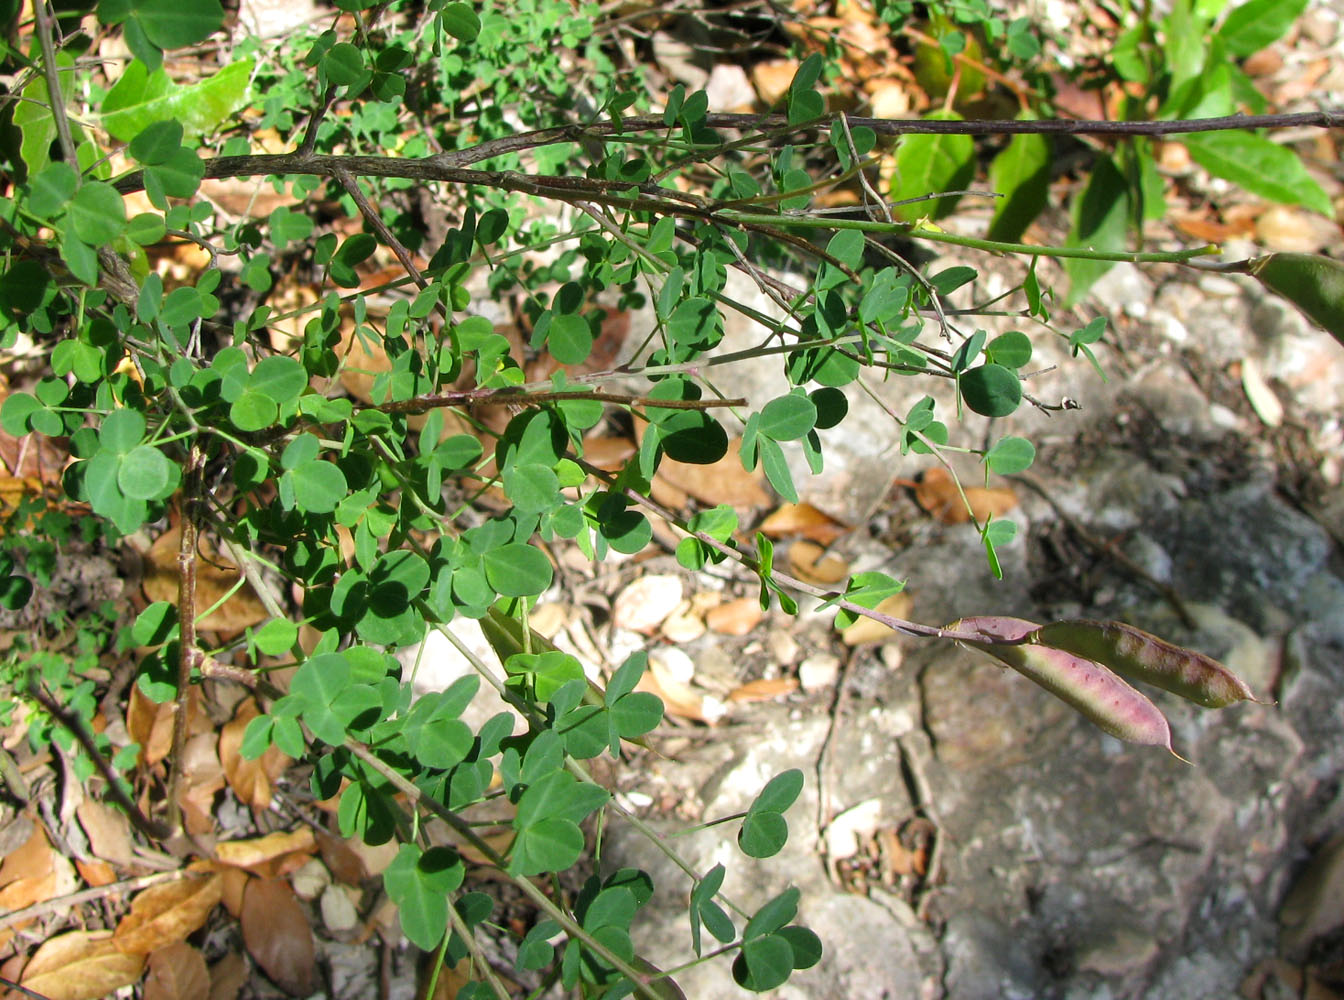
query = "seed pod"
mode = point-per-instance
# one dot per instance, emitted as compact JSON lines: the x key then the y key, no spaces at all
{"x":1135,"y":654}
{"x":1313,"y":283}
{"x":1103,"y":698}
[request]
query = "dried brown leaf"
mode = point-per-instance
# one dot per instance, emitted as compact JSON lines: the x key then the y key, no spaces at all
{"x":166,"y":913}
{"x":31,"y":860}
{"x":233,"y":883}
{"x":679,"y":698}
{"x":216,"y":576}
{"x":278,"y":936}
{"x":202,"y":778}
{"x":227,"y":976}
{"x":341,"y":859}
{"x":735,"y":617}
{"x":937,"y":493}
{"x":250,"y":779}
{"x":177,"y":972}
{"x":95,"y":872}
{"x":108,"y":830}
{"x":31,"y":874}
{"x":805,"y":520}
{"x":764,"y":690}
{"x":81,"y":965}
{"x":259,"y":850}
{"x":810,"y":562}
{"x":866,"y":630}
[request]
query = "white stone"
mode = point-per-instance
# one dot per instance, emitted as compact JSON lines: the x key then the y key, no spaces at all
{"x":818,"y":671}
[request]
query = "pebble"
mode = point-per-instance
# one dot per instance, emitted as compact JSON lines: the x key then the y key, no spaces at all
{"x":644,"y":604}
{"x":310,"y":880}
{"x":674,"y":662}
{"x":818,"y":672}
{"x":683,"y":624}
{"x":338,"y":910}
{"x":783,"y":648}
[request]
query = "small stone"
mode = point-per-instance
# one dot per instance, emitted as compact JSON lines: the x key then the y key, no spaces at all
{"x":548,"y":618}
{"x":309,"y":880}
{"x":892,"y":656}
{"x":783,"y":648}
{"x":338,"y":910}
{"x":818,"y":672}
{"x":845,"y":834}
{"x":642,"y":606}
{"x":674,"y":663}
{"x":683,"y":624}
{"x":729,"y":89}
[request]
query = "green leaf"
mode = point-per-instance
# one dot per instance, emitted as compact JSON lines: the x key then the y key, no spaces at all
{"x":288,"y":226}
{"x":97,"y":214}
{"x":177,"y":178}
{"x":763,"y":834}
{"x":569,"y":338}
{"x":343,"y":64}
{"x":788,"y":418}
{"x":1011,"y":349}
{"x":780,"y":792}
{"x":776,"y":469}
{"x":1260,"y":166}
{"x":1021,"y":175}
{"x":121,"y":430}
{"x":929,"y":164}
{"x":253,"y":411}
{"x":773,"y":915}
{"x":806,"y":945}
{"x":867,"y":590}
{"x":420,"y":885}
{"x":763,"y":963}
{"x":318,"y":487}
{"x":1258,"y":23}
{"x":156,"y":143}
{"x":517,"y":570}
{"x":549,"y":845}
{"x":460,"y":21}
{"x":276,"y":637}
{"x":1010,"y":456}
{"x":173,"y":24}
{"x":144,"y":473}
{"x":1100,"y":222}
{"x":278,"y":377}
{"x":155,"y":624}
{"x":141,"y":98}
{"x":991,"y":390}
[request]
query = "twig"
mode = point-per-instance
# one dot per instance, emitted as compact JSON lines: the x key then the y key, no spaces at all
{"x":1107,"y":551}
{"x":44,"y":25}
{"x":150,"y":828}
{"x":189,"y":654}
{"x":64,"y":903}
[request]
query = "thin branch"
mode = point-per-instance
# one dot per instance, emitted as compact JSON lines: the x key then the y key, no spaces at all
{"x":45,"y":25}
{"x":150,"y":828}
{"x":189,"y":654}
{"x":63,"y":904}
{"x":512,"y":397}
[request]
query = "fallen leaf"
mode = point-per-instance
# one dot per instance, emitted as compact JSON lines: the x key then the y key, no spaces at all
{"x":1262,"y":399}
{"x":216,"y":575}
{"x":259,"y":850}
{"x":764,"y":690}
{"x":724,"y":481}
{"x":250,"y":780}
{"x":803,"y":519}
{"x":772,"y":78}
{"x":108,"y":830}
{"x":31,"y":860}
{"x":608,"y":453}
{"x":176,"y":972}
{"x":81,"y":965}
{"x":227,"y":976}
{"x":341,"y":859}
{"x":450,"y":981}
{"x":735,"y":617}
{"x":202,"y":778}
{"x":278,"y":936}
{"x":937,"y":493}
{"x":866,"y":630}
{"x":95,"y":872}
{"x":151,"y":725}
{"x":166,"y":913}
{"x":233,"y":883}
{"x":812,"y":563}
{"x":679,"y":698}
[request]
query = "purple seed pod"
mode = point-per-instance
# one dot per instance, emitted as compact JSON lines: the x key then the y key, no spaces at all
{"x":1102,"y":697}
{"x":1145,"y":658}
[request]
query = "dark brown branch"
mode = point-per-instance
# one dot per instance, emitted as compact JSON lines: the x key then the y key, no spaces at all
{"x":450,"y":167}
{"x":501,"y":397}
{"x":189,"y":655}
{"x":150,"y":828}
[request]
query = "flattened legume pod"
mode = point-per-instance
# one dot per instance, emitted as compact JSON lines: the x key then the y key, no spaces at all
{"x":1099,"y":695}
{"x":1133,"y":653}
{"x":1313,"y":283}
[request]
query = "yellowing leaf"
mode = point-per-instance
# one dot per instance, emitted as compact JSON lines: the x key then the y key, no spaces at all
{"x":81,"y":965}
{"x":259,"y":850}
{"x":166,"y":913}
